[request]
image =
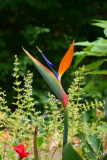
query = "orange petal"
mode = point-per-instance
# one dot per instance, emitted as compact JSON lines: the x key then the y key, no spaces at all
{"x":66,"y":61}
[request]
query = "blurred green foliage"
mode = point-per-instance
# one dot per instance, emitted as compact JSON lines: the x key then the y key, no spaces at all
{"x":96,"y":68}
{"x":51,"y":25}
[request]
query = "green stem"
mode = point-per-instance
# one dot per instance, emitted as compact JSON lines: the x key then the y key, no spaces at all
{"x":66,"y":124}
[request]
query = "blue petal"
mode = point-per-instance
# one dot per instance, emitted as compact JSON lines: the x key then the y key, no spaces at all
{"x":48,"y":63}
{"x":46,"y":60}
{"x":56,"y":74}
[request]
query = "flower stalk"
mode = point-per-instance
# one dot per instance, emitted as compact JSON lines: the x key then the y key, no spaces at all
{"x":66,"y":125}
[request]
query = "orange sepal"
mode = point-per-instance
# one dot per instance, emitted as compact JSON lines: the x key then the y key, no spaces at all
{"x":66,"y":61}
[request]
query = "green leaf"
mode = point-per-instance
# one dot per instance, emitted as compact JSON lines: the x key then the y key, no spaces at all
{"x":100,"y":23}
{"x":90,"y":53}
{"x":94,"y":146}
{"x":104,"y":72}
{"x":86,"y":43}
{"x":94,"y":65}
{"x":95,"y":143}
{"x":79,"y":53}
{"x":105,"y":32}
{"x":86,"y":146}
{"x":40,"y":140}
{"x":69,"y":153}
{"x":79,"y":59}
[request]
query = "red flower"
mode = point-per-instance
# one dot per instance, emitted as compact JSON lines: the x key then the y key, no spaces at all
{"x":20,"y":149}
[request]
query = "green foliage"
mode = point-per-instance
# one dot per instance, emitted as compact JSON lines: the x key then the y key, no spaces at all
{"x":102,"y":24}
{"x":96,"y":50}
{"x":70,"y":153}
{"x":32,"y":33}
{"x":87,"y":127}
{"x":91,"y":146}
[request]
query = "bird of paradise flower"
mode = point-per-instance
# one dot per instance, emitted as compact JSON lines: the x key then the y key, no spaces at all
{"x":54,"y":81}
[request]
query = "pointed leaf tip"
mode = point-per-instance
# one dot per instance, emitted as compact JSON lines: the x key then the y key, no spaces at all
{"x":48,"y":62}
{"x":44,"y":57}
{"x":66,"y":61}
